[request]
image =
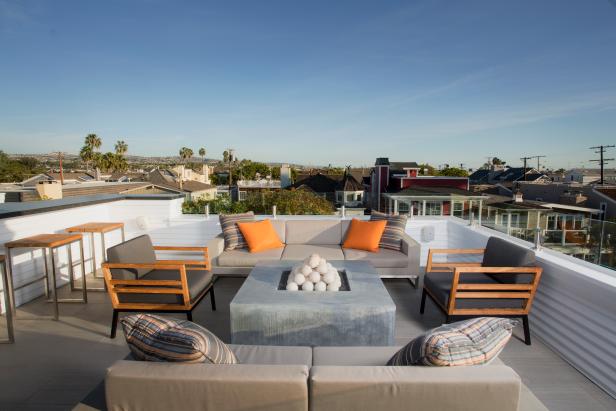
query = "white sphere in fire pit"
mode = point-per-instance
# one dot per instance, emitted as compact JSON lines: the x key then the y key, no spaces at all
{"x":322,"y":268}
{"x":292,"y":286}
{"x":306,"y":270}
{"x":314,"y":277}
{"x":320,"y":286}
{"x":329,"y":278}
{"x":307,"y":286}
{"x":314,"y":260}
{"x":299,"y":279}
{"x":333,"y":287}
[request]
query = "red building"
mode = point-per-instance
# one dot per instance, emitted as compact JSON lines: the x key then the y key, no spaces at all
{"x":393,"y":177}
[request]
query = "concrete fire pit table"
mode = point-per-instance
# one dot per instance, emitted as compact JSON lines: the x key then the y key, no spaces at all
{"x":264,"y":315}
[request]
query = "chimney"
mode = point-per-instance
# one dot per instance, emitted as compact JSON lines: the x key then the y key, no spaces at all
{"x":518,"y":197}
{"x":285,"y":176}
{"x":206,"y":173}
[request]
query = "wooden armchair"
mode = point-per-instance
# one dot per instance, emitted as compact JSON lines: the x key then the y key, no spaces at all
{"x":137,"y":281}
{"x":502,"y":285}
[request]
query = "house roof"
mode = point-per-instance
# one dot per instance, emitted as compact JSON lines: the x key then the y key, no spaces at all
{"x":609,"y":192}
{"x":479,"y":176}
{"x":319,"y":183}
{"x":349,"y":183}
{"x":401,"y":165}
{"x":435,"y":192}
{"x":188,"y":186}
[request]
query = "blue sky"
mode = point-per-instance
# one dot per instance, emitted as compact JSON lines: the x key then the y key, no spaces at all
{"x":312,"y":82}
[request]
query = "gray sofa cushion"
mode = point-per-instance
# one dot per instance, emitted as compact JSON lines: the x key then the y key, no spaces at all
{"x":355,"y":356}
{"x":198,"y":280}
{"x":301,"y":251}
{"x":244,"y":258}
{"x":383,"y":259}
{"x":273,"y":355}
{"x":439,"y":285}
{"x":502,"y":253}
{"x":313,"y":232}
{"x":134,"y":251}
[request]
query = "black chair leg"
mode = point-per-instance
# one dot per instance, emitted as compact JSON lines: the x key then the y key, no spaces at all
{"x":189,"y":315}
{"x":449,"y":319}
{"x":114,"y":324}
{"x":213,"y":298}
{"x":422,"y":308}
{"x":526,"y":330}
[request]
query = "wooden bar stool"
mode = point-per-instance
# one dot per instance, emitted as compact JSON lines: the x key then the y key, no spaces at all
{"x":7,"y":305}
{"x":49,"y":242}
{"x":92,"y":229}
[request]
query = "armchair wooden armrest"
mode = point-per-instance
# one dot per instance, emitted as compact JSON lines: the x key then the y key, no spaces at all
{"x":523,"y":291}
{"x":203,"y":265}
{"x":449,"y":266}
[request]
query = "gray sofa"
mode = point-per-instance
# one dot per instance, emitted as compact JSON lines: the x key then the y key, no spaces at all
{"x":316,"y":379}
{"x":324,"y":237}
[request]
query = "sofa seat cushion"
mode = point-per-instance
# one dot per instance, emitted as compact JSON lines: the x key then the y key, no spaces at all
{"x":244,"y":258}
{"x":301,"y":251}
{"x":272,"y":355}
{"x":384,"y":258}
{"x":439,"y":286}
{"x":198,"y":280}
{"x":345,"y":356}
{"x":154,"y":338}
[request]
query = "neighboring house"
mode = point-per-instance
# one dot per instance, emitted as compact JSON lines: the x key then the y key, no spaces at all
{"x":589,"y":176}
{"x":591,"y":196}
{"x":127,"y":177}
{"x":393,"y":177}
{"x":340,"y":190}
{"x":193,"y":190}
{"x":243,"y":188}
{"x":69,"y":178}
{"x":507,"y":177}
{"x":188,"y":174}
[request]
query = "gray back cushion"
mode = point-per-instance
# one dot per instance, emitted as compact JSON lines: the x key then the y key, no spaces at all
{"x":502,"y":253}
{"x":327,"y":232}
{"x":139,"y":250}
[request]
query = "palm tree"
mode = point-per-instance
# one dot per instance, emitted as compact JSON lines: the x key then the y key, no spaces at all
{"x":186,"y":153}
{"x":86,"y":156}
{"x":88,"y":152}
{"x":225,"y":156}
{"x":121,"y":147}
{"x":202,"y":154}
{"x":93,"y":141}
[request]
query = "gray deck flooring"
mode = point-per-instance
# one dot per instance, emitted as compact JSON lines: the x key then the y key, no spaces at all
{"x":54,"y":364}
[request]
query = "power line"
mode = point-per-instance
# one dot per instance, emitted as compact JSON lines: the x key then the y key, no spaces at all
{"x":602,"y":160}
{"x":525,"y":159}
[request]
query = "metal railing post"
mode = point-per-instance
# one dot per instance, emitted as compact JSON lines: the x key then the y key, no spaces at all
{"x":207,"y":211}
{"x":538,"y":239}
{"x":274,"y":211}
{"x":343,"y":210}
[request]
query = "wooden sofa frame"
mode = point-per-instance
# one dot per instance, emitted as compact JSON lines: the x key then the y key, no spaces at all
{"x":144,"y":286}
{"x":459,"y":291}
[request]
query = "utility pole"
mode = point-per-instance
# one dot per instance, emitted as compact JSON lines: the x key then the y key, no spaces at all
{"x":538,"y":161}
{"x":525,"y":159}
{"x":231,"y":151}
{"x":602,"y":161}
{"x":60,"y":158}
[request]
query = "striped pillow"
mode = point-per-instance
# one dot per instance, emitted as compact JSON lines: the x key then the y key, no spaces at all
{"x":230,"y":230}
{"x":471,"y":342}
{"x":154,"y":338}
{"x":394,"y":230}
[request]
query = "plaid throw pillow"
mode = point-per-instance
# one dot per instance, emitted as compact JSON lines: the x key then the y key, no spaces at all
{"x":471,"y":342}
{"x":154,"y":338}
{"x":394,"y":230}
{"x":230,"y":230}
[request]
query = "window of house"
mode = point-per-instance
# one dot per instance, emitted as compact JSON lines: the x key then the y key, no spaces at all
{"x":403,"y":208}
{"x":339,"y":197}
{"x":350,"y":198}
{"x":359,"y":196}
{"x":434,"y":207}
{"x":242,"y":195}
{"x":458,"y":208}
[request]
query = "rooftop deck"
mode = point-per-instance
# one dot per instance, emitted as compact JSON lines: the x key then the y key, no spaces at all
{"x":53,"y":365}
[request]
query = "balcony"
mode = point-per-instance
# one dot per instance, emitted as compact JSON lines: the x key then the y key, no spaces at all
{"x":55,"y":364}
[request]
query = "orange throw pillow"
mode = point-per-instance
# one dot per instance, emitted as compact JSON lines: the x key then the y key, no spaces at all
{"x":260,"y":235}
{"x":365,"y":235}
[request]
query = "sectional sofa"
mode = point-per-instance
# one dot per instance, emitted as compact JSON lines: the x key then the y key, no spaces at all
{"x":317,"y":379}
{"x":324,"y":237}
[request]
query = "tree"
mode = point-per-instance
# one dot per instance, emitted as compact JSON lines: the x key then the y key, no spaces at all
{"x":186,"y":153}
{"x":88,"y":152}
{"x":13,"y":171}
{"x":225,"y":156}
{"x":427,"y":169}
{"x":121,"y":148}
{"x":202,"y":154}
{"x":453,"y":172}
{"x":498,"y":162}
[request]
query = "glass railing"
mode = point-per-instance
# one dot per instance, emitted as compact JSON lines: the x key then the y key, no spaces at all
{"x":589,"y":240}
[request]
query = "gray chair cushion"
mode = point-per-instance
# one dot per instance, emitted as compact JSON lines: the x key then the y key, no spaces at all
{"x":198,"y":280}
{"x":502,"y":253}
{"x":301,"y":251}
{"x":439,"y":285}
{"x":353,"y":356}
{"x":272,"y":355}
{"x":384,"y":258}
{"x":139,"y":250}
{"x":244,"y":258}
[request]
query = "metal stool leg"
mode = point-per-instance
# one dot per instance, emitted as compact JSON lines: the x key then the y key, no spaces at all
{"x":8,"y":307}
{"x":46,"y":272}
{"x":56,"y":309}
{"x":71,"y":271}
{"x":10,"y":285}
{"x":93,"y":252}
{"x":83,"y":271}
